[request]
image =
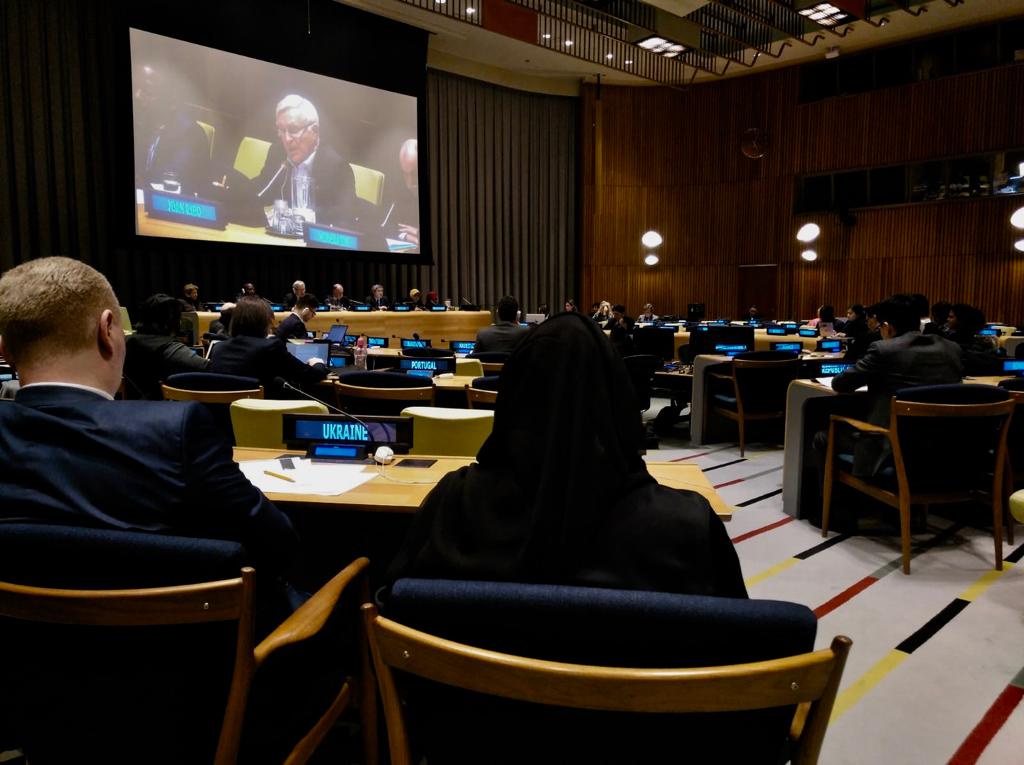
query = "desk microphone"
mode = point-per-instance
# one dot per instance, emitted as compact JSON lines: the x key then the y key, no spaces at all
{"x":288,"y":386}
{"x":282,"y":167}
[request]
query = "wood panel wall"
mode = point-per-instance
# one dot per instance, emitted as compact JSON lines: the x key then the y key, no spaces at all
{"x":654,"y":158}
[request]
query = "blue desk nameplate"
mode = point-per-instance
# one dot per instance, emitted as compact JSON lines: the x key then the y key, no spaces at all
{"x":178,"y":208}
{"x":331,"y":238}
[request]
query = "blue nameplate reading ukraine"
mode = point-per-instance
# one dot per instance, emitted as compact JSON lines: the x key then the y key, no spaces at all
{"x":331,"y":431}
{"x":181,"y":209}
{"x":331,"y":238}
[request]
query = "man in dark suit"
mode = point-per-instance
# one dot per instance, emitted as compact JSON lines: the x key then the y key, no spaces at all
{"x":298,"y":290}
{"x":293,"y":326}
{"x":620,"y":328}
{"x":377,"y":300}
{"x":903,"y":358}
{"x":73,"y":455}
{"x":505,"y":333}
{"x":308,"y":174}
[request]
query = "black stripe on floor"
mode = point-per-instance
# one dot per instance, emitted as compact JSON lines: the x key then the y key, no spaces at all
{"x":1015,"y":556}
{"x":822,"y":547}
{"x":750,"y":502}
{"x":724,"y":464}
{"x":933,"y":625}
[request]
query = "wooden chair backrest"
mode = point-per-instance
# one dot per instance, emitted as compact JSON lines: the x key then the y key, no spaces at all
{"x":386,"y":394}
{"x":476,"y":396}
{"x":810,"y":679}
{"x":209,"y":396}
{"x":492,"y":367}
{"x":226,"y":600}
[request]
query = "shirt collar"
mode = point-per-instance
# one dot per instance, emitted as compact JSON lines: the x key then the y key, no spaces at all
{"x":59,"y":384}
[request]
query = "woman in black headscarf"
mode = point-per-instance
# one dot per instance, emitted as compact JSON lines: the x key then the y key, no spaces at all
{"x":560,"y":494}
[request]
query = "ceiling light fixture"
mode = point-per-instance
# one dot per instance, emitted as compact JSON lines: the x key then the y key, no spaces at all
{"x":470,"y":11}
{"x":546,"y":35}
{"x":809,"y":255}
{"x":1019,"y":245}
{"x":628,"y":62}
{"x":651,"y":239}
{"x":568,"y":43}
{"x":661,"y":46}
{"x":652,"y":259}
{"x":609,"y":56}
{"x":809,"y":232}
{"x":1017,"y":219}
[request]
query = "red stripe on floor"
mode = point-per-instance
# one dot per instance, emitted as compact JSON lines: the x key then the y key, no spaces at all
{"x":845,"y":595}
{"x":762,"y":530}
{"x":730,"y":483}
{"x":975,"y":743}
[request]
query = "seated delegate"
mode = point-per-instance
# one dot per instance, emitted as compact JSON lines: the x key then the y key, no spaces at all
{"x":293,"y":326}
{"x":560,"y":494}
{"x":152,"y":354}
{"x":251,"y":353}
{"x":505,"y":333}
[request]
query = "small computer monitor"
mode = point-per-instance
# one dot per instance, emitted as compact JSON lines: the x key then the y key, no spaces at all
{"x":408,"y":342}
{"x":988,"y":331}
{"x":776,"y":330}
{"x":336,"y":334}
{"x":784,"y":346}
{"x":306,"y":351}
{"x":830,"y":346}
{"x":722,"y":340}
{"x":337,"y":361}
{"x":433,"y":366}
{"x":730,"y":349}
{"x":1014,"y":367}
{"x":462,"y":346}
{"x":535,"y":318}
{"x":695,"y":311}
{"x":376,"y":342}
{"x":808,"y":332}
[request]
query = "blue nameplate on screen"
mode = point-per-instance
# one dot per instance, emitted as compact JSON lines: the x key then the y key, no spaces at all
{"x":181,"y":209}
{"x":792,"y":347}
{"x":330,"y":237}
{"x":337,"y":361}
{"x":808,"y":332}
{"x":361,"y":308}
{"x":323,"y":308}
{"x":438,"y":308}
{"x":989,"y":331}
{"x":377,"y":342}
{"x":277,"y":307}
{"x":344,"y":431}
{"x":462,"y":346}
{"x":420,"y":373}
{"x":402,"y":307}
{"x":831,"y":346}
{"x":336,"y":452}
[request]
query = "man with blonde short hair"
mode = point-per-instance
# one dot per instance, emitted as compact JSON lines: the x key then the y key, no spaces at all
{"x":73,"y":455}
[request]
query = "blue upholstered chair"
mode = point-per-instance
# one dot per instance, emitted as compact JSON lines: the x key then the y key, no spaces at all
{"x":948,"y":445}
{"x":459,"y":709}
{"x":97,"y":665}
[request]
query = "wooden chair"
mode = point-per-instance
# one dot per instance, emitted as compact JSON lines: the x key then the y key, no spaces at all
{"x":478,"y":398}
{"x":809,"y":681}
{"x":228,"y":601}
{"x":210,"y":388}
{"x":388,"y":399}
{"x":492,"y":361}
{"x":942,"y":453}
{"x":758,"y":390}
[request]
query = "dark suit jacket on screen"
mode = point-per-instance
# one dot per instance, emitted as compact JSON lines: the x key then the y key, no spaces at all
{"x":263,"y":358}
{"x":503,"y":336}
{"x":72,"y":457}
{"x":888,"y":366}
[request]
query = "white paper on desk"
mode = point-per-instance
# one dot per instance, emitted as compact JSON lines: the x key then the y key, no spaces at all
{"x":827,"y":382}
{"x":325,"y":479}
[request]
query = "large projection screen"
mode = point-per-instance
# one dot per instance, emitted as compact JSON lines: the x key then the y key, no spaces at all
{"x":234,"y":149}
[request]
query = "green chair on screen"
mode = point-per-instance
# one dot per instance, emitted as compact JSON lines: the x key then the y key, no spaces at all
{"x":210,"y":131}
{"x":447,"y":432}
{"x":369,"y":183}
{"x":256,"y":422}
{"x":251,"y":156}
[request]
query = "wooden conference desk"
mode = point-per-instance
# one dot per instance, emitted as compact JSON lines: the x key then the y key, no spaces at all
{"x":439,"y":327}
{"x":808,"y":407}
{"x":383,"y":496}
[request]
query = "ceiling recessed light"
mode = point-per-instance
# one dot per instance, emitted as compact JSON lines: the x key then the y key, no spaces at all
{"x":441,"y":2}
{"x":651,"y":239}
{"x":1019,"y":245}
{"x":568,"y":43}
{"x":808,"y":232}
{"x":809,"y":255}
{"x":652,"y":259}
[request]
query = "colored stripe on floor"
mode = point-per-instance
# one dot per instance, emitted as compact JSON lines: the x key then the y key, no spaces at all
{"x":755,"y":500}
{"x":762,"y":530}
{"x":831,"y":605}
{"x":703,"y":454}
{"x":724,"y":464}
{"x":991,"y":722}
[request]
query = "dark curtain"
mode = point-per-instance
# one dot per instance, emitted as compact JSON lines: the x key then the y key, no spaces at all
{"x":502,"y":179}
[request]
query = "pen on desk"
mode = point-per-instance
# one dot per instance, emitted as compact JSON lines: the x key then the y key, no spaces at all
{"x":278,"y":475}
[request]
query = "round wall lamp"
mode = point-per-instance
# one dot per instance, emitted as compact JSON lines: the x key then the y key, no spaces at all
{"x":1019,"y":245}
{"x":1017,"y":219}
{"x":808,"y":232}
{"x":809,"y":255}
{"x":651,"y":239}
{"x":652,"y":259}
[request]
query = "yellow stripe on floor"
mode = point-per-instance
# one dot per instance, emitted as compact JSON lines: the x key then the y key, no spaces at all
{"x":984,"y":583}
{"x":866,"y":682}
{"x":777,"y":568}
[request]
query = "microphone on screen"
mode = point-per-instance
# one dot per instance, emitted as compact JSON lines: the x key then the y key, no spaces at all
{"x":285,"y":385}
{"x":279,"y":170}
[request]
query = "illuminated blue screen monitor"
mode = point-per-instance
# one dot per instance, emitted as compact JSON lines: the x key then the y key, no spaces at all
{"x":781,"y":346}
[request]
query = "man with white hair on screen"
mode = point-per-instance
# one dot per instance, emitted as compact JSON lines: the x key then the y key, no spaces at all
{"x":307,"y":173}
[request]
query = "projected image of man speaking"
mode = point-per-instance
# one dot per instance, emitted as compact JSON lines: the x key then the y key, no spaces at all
{"x":304,"y":177}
